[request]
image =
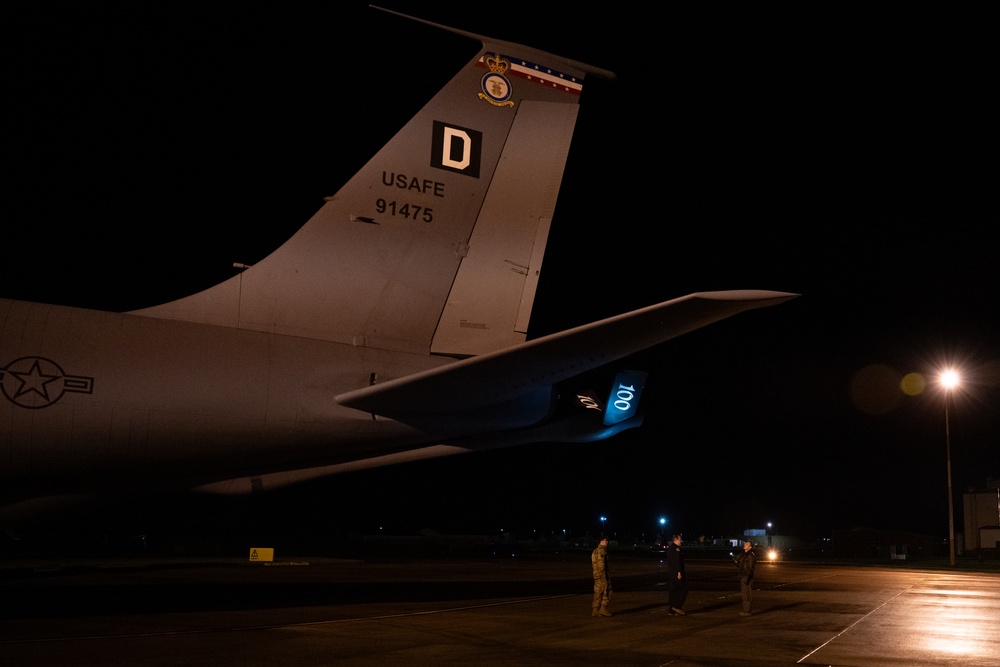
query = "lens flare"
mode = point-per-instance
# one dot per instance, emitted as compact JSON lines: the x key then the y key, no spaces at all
{"x":913,"y":384}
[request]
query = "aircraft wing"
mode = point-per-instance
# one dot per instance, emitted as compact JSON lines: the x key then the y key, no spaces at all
{"x":506,"y":376}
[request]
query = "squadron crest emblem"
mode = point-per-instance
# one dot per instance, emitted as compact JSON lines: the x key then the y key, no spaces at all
{"x":495,"y":84}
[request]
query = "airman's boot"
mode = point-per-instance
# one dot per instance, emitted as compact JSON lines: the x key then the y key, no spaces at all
{"x":604,"y":612}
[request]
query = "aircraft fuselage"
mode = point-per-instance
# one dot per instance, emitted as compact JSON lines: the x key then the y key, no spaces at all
{"x":98,"y":393}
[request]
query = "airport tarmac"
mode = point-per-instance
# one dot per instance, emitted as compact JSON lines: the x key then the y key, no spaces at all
{"x":516,"y":610}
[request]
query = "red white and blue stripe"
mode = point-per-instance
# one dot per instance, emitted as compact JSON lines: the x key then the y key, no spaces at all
{"x":525,"y":69}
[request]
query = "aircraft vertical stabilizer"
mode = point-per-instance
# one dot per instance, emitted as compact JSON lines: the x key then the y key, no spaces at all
{"x":435,"y":245}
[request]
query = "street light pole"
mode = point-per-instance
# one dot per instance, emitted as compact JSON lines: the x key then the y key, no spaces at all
{"x":951,"y":499}
{"x":949,"y":380}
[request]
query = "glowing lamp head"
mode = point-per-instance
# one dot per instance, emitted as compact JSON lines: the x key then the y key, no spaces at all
{"x":949,"y":379}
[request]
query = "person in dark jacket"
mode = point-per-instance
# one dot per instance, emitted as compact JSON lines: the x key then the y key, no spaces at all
{"x":602,"y":579}
{"x":676,"y":577}
{"x":745,"y":564}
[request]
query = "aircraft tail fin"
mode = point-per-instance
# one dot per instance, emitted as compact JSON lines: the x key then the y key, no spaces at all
{"x":436,"y":244}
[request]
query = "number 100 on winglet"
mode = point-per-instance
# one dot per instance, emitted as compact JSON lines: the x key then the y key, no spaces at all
{"x":623,"y":401}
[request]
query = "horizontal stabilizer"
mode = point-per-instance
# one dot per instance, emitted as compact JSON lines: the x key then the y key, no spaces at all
{"x":502,"y":377}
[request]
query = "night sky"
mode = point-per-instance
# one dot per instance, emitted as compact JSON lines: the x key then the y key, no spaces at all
{"x":845,"y":155}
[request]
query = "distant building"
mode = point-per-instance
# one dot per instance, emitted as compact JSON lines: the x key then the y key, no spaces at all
{"x":765,"y":537}
{"x":982,"y":520}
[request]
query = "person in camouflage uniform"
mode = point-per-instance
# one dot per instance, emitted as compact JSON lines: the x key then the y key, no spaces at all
{"x":746,"y":562}
{"x":602,"y":579}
